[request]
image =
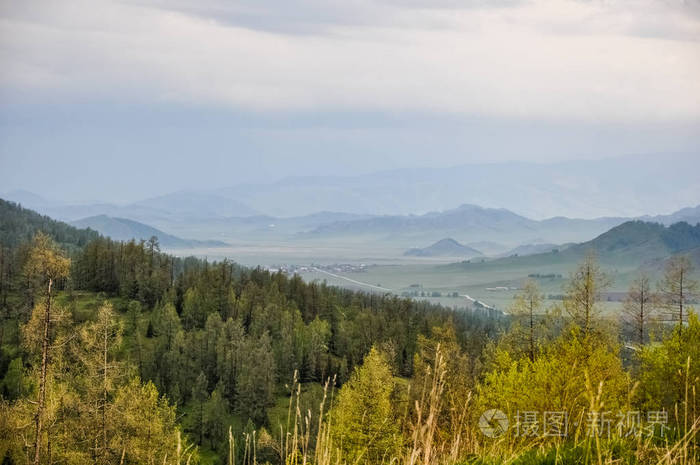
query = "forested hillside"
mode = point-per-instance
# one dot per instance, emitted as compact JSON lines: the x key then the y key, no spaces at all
{"x":123,"y":229}
{"x":19,"y":225}
{"x":212,"y":337}
{"x":118,"y":353}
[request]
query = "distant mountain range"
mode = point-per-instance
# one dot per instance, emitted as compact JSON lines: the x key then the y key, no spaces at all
{"x":447,"y":247}
{"x":641,"y":241}
{"x":690,"y":215}
{"x":626,"y":186}
{"x":469,"y":223}
{"x":176,"y":207}
{"x":221,"y":215}
{"x":633,"y":243}
{"x":197,"y":205}
{"x":122,"y":229}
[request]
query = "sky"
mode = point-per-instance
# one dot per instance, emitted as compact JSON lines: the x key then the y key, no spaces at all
{"x":121,"y":100}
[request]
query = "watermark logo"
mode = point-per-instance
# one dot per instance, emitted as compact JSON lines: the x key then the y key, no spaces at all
{"x":493,"y":423}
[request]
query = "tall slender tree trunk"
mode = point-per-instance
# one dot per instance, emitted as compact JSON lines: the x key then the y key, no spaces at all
{"x":138,"y":351}
{"x":532,"y":332}
{"x":588,"y":300}
{"x":104,"y":398}
{"x":680,"y":304}
{"x":641,"y":321}
{"x":38,"y":420}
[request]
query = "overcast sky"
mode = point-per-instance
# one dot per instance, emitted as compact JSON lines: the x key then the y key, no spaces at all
{"x":115,"y":101}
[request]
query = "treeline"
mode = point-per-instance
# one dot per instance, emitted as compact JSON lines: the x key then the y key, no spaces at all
{"x":19,"y":225}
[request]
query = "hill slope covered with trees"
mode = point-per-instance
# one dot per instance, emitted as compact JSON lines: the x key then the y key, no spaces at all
{"x":118,"y":353}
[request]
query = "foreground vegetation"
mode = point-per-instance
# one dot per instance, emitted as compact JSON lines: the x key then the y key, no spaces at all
{"x":117,"y":353}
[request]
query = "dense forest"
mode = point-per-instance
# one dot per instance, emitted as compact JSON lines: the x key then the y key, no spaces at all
{"x":117,"y":353}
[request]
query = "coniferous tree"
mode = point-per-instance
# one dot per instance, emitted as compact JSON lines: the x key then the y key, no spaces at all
{"x":364,"y":419}
{"x":45,"y":265}
{"x":527,"y":305}
{"x":678,"y":288}
{"x":215,"y":420}
{"x":639,"y":306}
{"x":199,"y":397}
{"x":583,"y":291}
{"x":96,"y":349}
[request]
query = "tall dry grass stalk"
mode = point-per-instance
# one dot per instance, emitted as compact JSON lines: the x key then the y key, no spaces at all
{"x":307,"y":439}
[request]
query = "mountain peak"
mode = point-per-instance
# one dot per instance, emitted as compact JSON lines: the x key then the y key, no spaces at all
{"x":446,"y":247}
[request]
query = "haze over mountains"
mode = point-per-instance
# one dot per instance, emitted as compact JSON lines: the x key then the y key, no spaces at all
{"x":627,"y":186}
{"x":122,"y":229}
{"x":624,"y":186}
{"x":447,"y":247}
{"x":207,"y":217}
{"x":509,"y":205}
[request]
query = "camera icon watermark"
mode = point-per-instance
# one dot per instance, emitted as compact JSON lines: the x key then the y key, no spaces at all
{"x":493,"y":423}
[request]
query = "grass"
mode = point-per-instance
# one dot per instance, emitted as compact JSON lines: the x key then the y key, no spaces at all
{"x":473,"y":280}
{"x":308,"y":437}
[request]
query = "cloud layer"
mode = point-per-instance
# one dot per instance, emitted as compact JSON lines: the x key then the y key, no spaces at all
{"x":595,"y":61}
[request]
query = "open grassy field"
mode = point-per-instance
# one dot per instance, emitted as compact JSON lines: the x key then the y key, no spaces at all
{"x":491,"y":283}
{"x":449,"y":281}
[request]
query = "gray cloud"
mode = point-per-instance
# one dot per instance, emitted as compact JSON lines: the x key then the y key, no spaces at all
{"x":592,"y":61}
{"x":262,"y":89}
{"x":315,"y":16}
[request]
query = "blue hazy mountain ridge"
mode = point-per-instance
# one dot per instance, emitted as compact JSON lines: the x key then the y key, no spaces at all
{"x":580,"y":189}
{"x":573,"y":189}
{"x":175,"y":207}
{"x":633,"y":243}
{"x":197,"y":205}
{"x":123,"y":229}
{"x":690,"y":215}
{"x":205,"y":215}
{"x":447,"y":247}
{"x":469,"y":223}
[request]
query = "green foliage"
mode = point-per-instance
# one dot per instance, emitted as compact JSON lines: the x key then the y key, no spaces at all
{"x":583,"y":293}
{"x":526,"y":307}
{"x":45,"y":262}
{"x":199,"y":397}
{"x":364,"y":417}
{"x":221,"y":342}
{"x":146,"y":430}
{"x":459,"y":374}
{"x":562,"y":378}
{"x":14,"y":384}
{"x":670,"y":370}
{"x":678,"y":288}
{"x":216,"y":419}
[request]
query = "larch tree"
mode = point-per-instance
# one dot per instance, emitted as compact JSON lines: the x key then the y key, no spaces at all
{"x":98,"y":343}
{"x":583,"y":291}
{"x":146,"y":429}
{"x":365,"y":428}
{"x":199,"y":398}
{"x":527,"y":304}
{"x":255,"y":380}
{"x":45,"y":266}
{"x":678,"y":288}
{"x":216,"y":411}
{"x":639,"y":306}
